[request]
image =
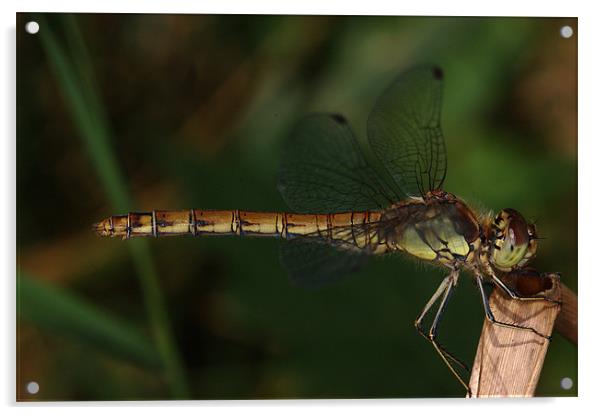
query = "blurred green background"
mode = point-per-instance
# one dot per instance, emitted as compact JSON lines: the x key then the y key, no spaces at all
{"x":141,"y":112}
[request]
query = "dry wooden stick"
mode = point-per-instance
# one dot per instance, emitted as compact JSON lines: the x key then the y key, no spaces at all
{"x":508,"y":361}
{"x":566,"y":323}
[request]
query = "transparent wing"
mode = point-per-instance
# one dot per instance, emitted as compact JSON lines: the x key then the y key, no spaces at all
{"x":318,"y":258}
{"x":324,"y":171}
{"x":311,"y":262}
{"x":404,"y":130}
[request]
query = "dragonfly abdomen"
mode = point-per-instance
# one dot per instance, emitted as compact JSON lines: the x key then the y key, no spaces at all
{"x":190,"y":222}
{"x":345,"y":227}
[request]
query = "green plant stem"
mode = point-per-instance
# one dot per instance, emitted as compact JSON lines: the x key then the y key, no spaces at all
{"x":75,"y":78}
{"x":62,"y":312}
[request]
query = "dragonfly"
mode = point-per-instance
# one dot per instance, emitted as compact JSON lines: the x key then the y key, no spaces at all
{"x":345,"y":209}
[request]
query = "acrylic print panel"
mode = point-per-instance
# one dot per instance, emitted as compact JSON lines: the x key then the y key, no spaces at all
{"x":136,"y":113}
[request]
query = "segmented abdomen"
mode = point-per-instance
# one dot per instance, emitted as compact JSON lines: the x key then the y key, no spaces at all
{"x":356,"y":228}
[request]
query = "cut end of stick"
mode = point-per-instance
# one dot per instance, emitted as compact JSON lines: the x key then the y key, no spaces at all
{"x":508,"y":361}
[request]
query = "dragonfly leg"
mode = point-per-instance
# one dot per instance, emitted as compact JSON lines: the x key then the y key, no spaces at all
{"x":442,"y":287}
{"x":492,"y":318}
{"x":445,"y":290}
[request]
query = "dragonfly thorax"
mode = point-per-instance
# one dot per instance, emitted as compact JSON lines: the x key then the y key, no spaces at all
{"x":438,"y":227}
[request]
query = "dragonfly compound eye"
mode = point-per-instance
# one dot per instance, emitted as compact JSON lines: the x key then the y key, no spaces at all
{"x":513,"y":240}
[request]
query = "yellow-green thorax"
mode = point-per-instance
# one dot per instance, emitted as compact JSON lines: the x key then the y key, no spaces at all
{"x":439,"y":227}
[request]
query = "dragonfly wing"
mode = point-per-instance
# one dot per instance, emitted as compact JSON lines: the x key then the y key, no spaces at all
{"x":404,"y":130}
{"x":324,"y":171}
{"x":318,"y":258}
{"x":312,"y":263}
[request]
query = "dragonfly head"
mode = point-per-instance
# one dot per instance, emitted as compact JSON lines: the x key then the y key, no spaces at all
{"x":513,"y":241}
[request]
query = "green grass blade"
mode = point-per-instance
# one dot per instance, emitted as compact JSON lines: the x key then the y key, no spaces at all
{"x":75,"y":78}
{"x":58,"y":311}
